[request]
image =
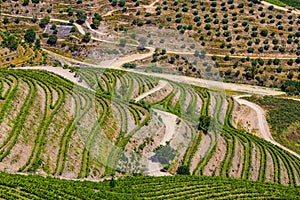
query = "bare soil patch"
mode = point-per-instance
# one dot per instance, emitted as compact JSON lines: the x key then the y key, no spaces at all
{"x":213,"y":166}
{"x":201,"y":150}
{"x":255,"y":163}
{"x":237,"y":162}
{"x":269,"y":168}
{"x":243,"y":117}
{"x":284,"y":174}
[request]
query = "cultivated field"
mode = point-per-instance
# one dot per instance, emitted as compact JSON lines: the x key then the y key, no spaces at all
{"x":98,"y":98}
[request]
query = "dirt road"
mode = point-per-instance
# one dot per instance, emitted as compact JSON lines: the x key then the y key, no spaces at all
{"x":216,"y":84}
{"x":297,"y":12}
{"x":263,"y":124}
{"x":169,"y":120}
{"x":161,"y":85}
{"x":61,"y":72}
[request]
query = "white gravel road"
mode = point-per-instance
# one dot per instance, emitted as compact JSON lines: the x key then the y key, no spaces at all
{"x":263,"y":124}
{"x":161,"y":85}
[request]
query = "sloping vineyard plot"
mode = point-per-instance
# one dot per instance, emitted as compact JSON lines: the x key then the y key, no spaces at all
{"x":188,"y":187}
{"x":14,"y":52}
{"x":98,"y":131}
{"x":50,"y":126}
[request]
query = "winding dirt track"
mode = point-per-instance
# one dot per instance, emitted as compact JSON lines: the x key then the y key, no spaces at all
{"x":297,"y":12}
{"x":61,"y":72}
{"x":262,"y":122}
{"x":161,"y":85}
{"x":182,"y":79}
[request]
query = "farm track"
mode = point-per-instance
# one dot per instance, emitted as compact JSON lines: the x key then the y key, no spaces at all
{"x":263,"y":124}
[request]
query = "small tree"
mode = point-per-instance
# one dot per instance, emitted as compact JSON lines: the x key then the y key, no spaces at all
{"x":290,"y":75}
{"x":38,"y":44}
{"x":17,"y":20}
{"x":30,"y":36}
{"x":52,"y":40}
{"x":142,"y":43}
{"x":5,"y":20}
{"x":183,"y":170}
{"x":122,"y":3}
{"x":44,"y":22}
{"x":81,"y":16}
{"x":96,"y":20}
{"x":204,"y":123}
{"x":70,"y":11}
{"x":264,"y":33}
{"x":87,"y":37}
{"x":123,"y":42}
{"x":25,"y":2}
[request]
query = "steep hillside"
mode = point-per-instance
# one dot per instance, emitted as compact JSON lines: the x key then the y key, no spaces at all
{"x":246,"y":41}
{"x":49,"y":126}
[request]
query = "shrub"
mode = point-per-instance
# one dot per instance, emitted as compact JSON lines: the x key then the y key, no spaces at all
{"x":25,"y":2}
{"x":183,"y":170}
{"x":44,"y":22}
{"x":129,"y":65}
{"x":264,"y":33}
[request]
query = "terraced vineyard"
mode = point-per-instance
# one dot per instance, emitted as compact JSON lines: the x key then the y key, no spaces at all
{"x":13,"y":52}
{"x":119,"y":99}
{"x":188,"y":187}
{"x":51,"y":126}
{"x":40,"y":116}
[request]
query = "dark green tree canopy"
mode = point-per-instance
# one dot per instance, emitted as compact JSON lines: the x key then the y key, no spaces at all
{"x":30,"y":35}
{"x":204,"y":123}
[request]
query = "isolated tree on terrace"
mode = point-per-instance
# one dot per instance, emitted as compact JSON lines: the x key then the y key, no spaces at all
{"x":81,"y":17}
{"x":44,"y":22}
{"x":96,"y":20}
{"x":142,"y":43}
{"x":70,"y":11}
{"x":204,"y":123}
{"x":123,"y":42}
{"x":122,"y":3}
{"x":52,"y":40}
{"x":38,"y":44}
{"x":30,"y":36}
{"x":5,"y":20}
{"x":87,"y":37}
